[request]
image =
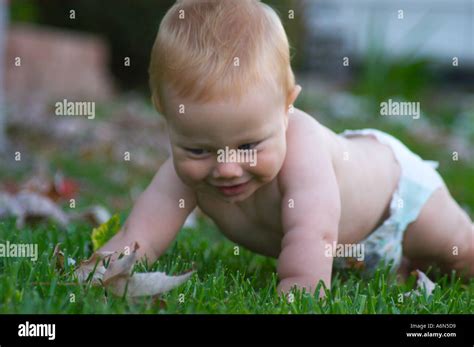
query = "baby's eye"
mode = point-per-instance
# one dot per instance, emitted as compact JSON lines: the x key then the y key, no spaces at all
{"x":196,"y":151}
{"x":248,"y":146}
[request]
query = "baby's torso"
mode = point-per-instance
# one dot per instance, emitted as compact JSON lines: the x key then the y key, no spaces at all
{"x":367,"y":174}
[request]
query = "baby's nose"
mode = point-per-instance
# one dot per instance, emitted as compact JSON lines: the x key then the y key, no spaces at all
{"x":227,"y":170}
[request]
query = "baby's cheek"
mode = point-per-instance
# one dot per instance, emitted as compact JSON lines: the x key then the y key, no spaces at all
{"x":191,"y":171}
{"x":268,"y":165}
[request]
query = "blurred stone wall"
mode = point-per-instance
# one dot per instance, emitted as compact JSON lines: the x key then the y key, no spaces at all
{"x":56,"y":64}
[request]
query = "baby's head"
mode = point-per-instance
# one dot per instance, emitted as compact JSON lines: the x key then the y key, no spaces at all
{"x":220,"y":73}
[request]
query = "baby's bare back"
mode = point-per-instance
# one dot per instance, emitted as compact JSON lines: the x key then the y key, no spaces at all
{"x":367,"y":174}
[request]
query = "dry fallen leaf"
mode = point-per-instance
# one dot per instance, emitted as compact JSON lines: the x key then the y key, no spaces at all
{"x":422,"y":282}
{"x":58,"y":188}
{"x":59,"y":258}
{"x":25,"y":205}
{"x":29,"y":205}
{"x":58,"y":255}
{"x":144,"y":284}
{"x":94,"y":265}
{"x":119,"y":280}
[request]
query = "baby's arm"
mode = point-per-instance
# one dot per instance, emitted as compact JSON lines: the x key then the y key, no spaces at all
{"x":156,"y":217}
{"x":308,"y":178}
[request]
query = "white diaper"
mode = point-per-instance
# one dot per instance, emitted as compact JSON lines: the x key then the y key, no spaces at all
{"x":418,"y":180}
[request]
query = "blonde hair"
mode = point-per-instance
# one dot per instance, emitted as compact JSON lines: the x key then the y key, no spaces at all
{"x":198,"y":44}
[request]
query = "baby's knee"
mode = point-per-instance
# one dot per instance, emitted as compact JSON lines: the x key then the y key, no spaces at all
{"x":458,"y":252}
{"x":464,"y":258}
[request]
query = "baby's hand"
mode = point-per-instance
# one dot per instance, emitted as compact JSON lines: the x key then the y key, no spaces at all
{"x":156,"y":217}
{"x":299,"y":283}
{"x":303,"y":263}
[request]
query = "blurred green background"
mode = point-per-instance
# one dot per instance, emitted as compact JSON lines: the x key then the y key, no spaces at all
{"x":339,"y":96}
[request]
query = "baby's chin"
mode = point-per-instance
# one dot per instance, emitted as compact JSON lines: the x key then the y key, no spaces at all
{"x":238,"y":198}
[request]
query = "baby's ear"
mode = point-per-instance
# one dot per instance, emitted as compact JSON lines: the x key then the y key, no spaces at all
{"x":294,"y":94}
{"x":156,"y":104}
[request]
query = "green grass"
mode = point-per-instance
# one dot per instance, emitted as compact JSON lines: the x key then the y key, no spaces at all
{"x":223,"y":283}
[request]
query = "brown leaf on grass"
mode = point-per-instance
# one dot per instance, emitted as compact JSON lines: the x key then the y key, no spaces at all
{"x":144,"y":284}
{"x":58,"y":255}
{"x":28,"y":205}
{"x":95,"y":264}
{"x":422,"y":282}
{"x":60,"y":260}
{"x":38,"y":198}
{"x":119,"y":280}
{"x":58,"y":188}
{"x":120,"y":268}
{"x":159,"y":302}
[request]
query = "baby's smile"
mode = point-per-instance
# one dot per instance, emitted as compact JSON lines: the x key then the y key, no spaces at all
{"x":233,"y":190}
{"x":228,"y":149}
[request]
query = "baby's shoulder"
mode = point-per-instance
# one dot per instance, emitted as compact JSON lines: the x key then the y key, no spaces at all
{"x":300,"y":121}
{"x":306,"y":133}
{"x":310,"y":149}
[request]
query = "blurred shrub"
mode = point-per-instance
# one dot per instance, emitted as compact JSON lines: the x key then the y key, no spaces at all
{"x":385,"y":73}
{"x":381,"y":78}
{"x":23,"y":11}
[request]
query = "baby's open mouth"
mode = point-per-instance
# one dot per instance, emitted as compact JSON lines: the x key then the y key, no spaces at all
{"x":233,"y":190}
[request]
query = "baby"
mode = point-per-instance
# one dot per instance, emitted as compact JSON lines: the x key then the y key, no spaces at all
{"x":287,"y":187}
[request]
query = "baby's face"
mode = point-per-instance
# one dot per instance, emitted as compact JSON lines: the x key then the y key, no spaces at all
{"x":257,"y":123}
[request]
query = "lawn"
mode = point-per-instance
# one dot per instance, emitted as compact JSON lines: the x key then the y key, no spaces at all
{"x":224,"y":282}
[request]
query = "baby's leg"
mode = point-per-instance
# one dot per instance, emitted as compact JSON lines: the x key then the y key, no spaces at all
{"x":442,"y":235}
